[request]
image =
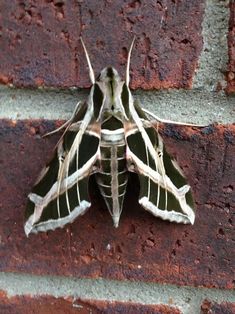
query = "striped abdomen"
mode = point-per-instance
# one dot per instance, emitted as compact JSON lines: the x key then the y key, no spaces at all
{"x":113,"y":176}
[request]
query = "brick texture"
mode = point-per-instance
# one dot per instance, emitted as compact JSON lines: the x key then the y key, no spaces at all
{"x":231,"y":50}
{"x":209,"y":307}
{"x":51,"y":305}
{"x":40,"y":45}
{"x":143,"y":247}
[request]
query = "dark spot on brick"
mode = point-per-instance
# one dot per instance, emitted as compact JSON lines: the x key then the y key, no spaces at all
{"x":150,"y":242}
{"x":59,"y":3}
{"x":39,"y":19}
{"x":173,"y":132}
{"x":228,"y":189}
{"x":208,"y":130}
{"x":229,"y":137}
{"x":118,"y":249}
{"x":178,"y":243}
{"x":221,"y":231}
{"x":132,"y":229}
{"x":159,"y":4}
{"x":195,"y":137}
{"x":100,"y":44}
{"x":227,"y":207}
{"x":185,"y":41}
{"x":124,"y":52}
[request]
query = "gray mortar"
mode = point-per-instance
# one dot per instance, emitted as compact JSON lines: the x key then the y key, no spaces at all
{"x":195,"y":106}
{"x":214,"y":56}
{"x":187,"y":299}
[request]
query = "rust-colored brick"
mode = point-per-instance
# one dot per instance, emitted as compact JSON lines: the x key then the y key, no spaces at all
{"x":40,"y":45}
{"x":104,"y":307}
{"x":143,"y":247}
{"x":209,"y":307}
{"x":231,"y":50}
{"x":52,"y":305}
{"x":40,"y":305}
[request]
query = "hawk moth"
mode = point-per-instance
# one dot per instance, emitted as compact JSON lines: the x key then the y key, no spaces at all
{"x":108,"y":136}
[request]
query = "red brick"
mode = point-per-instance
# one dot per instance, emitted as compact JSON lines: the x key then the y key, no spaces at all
{"x":40,"y":305}
{"x":104,"y":307}
{"x":199,"y":255}
{"x":209,"y":307}
{"x":231,"y":50}
{"x":40,"y":45}
{"x":51,"y":305}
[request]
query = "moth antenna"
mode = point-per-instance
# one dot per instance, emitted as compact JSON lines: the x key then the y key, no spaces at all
{"x":91,"y":71}
{"x":128,"y":62}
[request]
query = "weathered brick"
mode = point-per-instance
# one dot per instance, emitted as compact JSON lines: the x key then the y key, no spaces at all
{"x":105,"y":307}
{"x":51,"y":305}
{"x":40,"y":45}
{"x":40,"y":305}
{"x":209,"y":307}
{"x":143,"y":247}
{"x":231,"y":50}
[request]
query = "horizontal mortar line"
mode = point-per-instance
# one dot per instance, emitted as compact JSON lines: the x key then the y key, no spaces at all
{"x":195,"y":106}
{"x":186,"y":298}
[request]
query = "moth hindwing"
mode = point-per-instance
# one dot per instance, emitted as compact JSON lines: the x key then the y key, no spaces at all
{"x":108,"y":136}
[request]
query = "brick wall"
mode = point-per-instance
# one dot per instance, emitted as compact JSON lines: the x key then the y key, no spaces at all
{"x":183,"y":61}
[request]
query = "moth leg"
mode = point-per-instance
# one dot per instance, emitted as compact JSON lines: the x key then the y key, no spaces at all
{"x":61,"y":156}
{"x":170,"y":121}
{"x":66,"y":124}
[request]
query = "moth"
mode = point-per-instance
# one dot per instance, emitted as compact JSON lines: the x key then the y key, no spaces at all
{"x":108,"y":136}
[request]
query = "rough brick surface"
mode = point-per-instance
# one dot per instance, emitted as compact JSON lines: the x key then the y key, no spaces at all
{"x":103,"y":307}
{"x":40,"y":45}
{"x":209,"y":307}
{"x":51,"y":305}
{"x":143,"y":247}
{"x":231,"y":50}
{"x":40,"y":305}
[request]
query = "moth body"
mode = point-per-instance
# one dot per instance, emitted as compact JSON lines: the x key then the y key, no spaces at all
{"x":112,"y":175}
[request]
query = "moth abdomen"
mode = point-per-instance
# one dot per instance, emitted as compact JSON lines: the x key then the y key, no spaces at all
{"x":113,"y":175}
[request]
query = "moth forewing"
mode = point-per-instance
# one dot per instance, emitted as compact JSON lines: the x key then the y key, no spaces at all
{"x":61,"y":194}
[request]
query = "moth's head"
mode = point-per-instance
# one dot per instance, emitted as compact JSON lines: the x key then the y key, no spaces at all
{"x":107,"y":92}
{"x":110,"y":83}
{"x":108,"y":75}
